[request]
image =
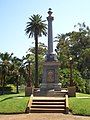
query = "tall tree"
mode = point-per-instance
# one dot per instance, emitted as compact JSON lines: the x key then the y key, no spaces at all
{"x":28,"y":61}
{"x":63,"y":49}
{"x":36,"y":27}
{"x":16,"y":68}
{"x":5,"y":59}
{"x":75,"y":44}
{"x":42,"y":49}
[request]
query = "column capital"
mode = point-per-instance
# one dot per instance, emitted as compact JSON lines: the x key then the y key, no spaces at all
{"x":50,"y":13}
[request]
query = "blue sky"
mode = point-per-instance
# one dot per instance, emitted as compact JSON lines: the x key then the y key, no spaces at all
{"x":15,"y":13}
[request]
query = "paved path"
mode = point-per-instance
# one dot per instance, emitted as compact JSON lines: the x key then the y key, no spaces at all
{"x":43,"y":116}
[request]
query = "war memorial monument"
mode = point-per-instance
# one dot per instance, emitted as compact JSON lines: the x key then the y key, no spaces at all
{"x":50,"y":83}
{"x":49,"y":97}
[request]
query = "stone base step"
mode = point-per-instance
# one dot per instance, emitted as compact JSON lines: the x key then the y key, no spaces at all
{"x":46,"y":110}
{"x":48,"y":105}
{"x":50,"y":93}
{"x":41,"y":104}
{"x":48,"y":99}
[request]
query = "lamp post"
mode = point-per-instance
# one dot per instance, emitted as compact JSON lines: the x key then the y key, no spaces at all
{"x":71,"y":65}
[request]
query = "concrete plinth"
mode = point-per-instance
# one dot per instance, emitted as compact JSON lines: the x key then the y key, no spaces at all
{"x":28,"y":91}
{"x":72,"y":91}
{"x":50,"y":93}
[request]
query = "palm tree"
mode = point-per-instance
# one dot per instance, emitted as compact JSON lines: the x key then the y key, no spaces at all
{"x":16,"y":68}
{"x":36,"y":27}
{"x":5,"y":59}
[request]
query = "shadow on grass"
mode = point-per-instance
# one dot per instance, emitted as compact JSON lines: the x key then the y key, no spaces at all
{"x":11,"y":97}
{"x":13,"y":113}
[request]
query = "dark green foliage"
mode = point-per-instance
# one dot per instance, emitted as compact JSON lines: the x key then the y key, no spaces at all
{"x":7,"y":89}
{"x":11,"y":70}
{"x":76,"y":44}
{"x":41,"y":58}
{"x":64,"y":77}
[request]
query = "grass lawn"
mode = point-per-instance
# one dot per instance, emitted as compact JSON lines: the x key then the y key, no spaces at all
{"x":80,"y":104}
{"x":82,"y":95}
{"x":13,"y":103}
{"x":16,"y":103}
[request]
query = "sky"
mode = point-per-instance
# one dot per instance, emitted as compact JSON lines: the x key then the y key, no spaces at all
{"x":14,"y":15}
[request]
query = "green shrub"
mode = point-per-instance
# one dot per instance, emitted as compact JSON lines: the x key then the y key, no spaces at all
{"x":7,"y":89}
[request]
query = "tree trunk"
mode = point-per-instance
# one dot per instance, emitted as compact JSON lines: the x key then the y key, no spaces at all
{"x":36,"y":60}
{"x":71,"y":77}
{"x":29,"y":81}
{"x":17,"y":90}
{"x":3,"y":82}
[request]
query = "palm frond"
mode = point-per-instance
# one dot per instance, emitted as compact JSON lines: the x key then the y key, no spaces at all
{"x":36,"y":22}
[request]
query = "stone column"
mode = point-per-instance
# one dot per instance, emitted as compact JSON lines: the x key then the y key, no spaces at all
{"x":50,"y":34}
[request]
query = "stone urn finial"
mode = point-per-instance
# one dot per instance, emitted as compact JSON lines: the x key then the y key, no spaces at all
{"x":50,"y":12}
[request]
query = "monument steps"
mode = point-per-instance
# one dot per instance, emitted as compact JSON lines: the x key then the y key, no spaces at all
{"x":48,"y":105}
{"x":46,"y":110}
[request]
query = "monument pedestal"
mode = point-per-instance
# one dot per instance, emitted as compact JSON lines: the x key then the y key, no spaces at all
{"x":50,"y":77}
{"x":50,"y":86}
